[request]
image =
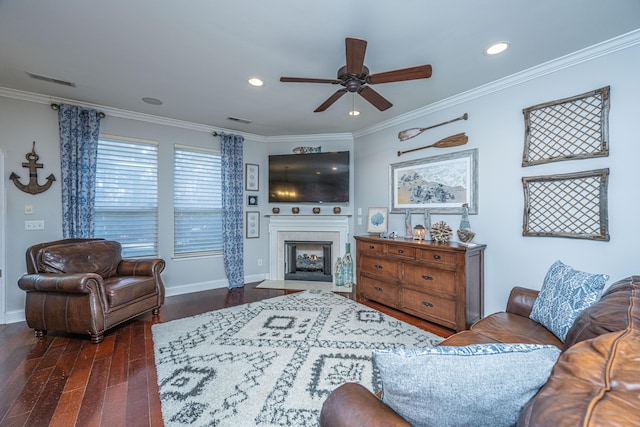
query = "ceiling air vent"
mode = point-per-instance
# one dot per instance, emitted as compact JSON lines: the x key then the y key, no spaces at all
{"x":51,"y":80}
{"x":239,"y":120}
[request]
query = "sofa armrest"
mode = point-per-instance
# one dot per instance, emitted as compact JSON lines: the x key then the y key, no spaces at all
{"x":78,"y":283}
{"x":521,"y":301}
{"x":140,"y":267}
{"x":352,"y":405}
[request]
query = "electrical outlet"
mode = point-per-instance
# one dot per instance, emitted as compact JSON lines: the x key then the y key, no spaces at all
{"x":28,"y":209}
{"x":34,"y":225}
{"x":259,"y":262}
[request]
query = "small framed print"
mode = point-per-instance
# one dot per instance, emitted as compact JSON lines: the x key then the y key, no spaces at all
{"x":377,"y":222}
{"x":252,"y":224}
{"x":252,"y":200}
{"x":251,"y":177}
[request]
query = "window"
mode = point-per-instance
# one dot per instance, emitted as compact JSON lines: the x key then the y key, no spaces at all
{"x":197,"y":201}
{"x":126,"y":207}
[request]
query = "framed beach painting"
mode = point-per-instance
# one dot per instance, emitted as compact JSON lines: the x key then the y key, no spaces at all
{"x":441,"y":184}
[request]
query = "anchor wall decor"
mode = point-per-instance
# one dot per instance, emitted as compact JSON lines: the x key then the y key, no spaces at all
{"x":32,"y":187}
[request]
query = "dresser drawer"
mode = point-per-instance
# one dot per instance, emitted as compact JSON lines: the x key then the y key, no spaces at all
{"x":439,"y":310}
{"x":430,"y":278}
{"x":380,"y":267}
{"x":436,"y":256}
{"x":372,"y":248}
{"x":385,"y":293}
{"x":401,"y":251}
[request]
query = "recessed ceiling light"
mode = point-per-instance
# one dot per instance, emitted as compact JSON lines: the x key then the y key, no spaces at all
{"x":152,"y":101}
{"x":497,"y":48}
{"x":354,"y":113}
{"x":254,"y":81}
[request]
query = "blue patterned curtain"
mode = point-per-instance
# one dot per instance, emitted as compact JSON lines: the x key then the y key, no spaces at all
{"x":79,"y":131}
{"x":232,"y":221}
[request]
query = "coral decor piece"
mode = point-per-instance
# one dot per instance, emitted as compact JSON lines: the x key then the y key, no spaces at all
{"x":440,"y":232}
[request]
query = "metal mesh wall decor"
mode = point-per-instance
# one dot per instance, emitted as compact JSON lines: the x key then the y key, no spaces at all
{"x":566,"y":129}
{"x":568,"y":205}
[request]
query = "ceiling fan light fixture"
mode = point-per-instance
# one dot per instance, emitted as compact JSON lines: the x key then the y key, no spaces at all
{"x":254,"y":81}
{"x":354,"y":113}
{"x":497,"y":48}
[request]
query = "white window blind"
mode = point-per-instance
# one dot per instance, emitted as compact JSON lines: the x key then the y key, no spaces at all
{"x":197,"y":200}
{"x":126,"y":207}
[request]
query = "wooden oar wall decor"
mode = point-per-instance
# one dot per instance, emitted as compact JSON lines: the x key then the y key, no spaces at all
{"x":413,"y":132}
{"x":450,"y":141}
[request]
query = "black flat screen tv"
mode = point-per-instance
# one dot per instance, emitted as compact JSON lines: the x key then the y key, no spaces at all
{"x":309,"y":178}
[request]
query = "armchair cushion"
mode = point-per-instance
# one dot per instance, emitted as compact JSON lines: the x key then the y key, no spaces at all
{"x":479,"y":385}
{"x":564,"y":295}
{"x":100,"y":257}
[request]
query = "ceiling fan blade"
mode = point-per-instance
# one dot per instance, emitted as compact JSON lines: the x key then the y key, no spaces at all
{"x":374,"y":98}
{"x":306,"y":80}
{"x":412,"y":73}
{"x":333,"y":98}
{"x":355,"y":49}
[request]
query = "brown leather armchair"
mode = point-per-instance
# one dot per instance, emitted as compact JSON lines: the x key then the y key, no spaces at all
{"x":84,"y":286}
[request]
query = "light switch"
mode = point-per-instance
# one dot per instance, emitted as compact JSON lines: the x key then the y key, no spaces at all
{"x":34,"y":225}
{"x":28,"y":209}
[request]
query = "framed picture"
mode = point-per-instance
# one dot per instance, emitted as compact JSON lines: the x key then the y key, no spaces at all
{"x":252,"y":224}
{"x":441,"y":184}
{"x":251,"y":177}
{"x":252,"y":200}
{"x":377,"y":220}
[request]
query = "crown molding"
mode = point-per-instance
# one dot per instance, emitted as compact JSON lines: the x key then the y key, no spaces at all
{"x":624,"y":41}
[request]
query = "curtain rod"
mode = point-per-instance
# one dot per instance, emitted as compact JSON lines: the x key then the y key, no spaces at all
{"x":56,"y":107}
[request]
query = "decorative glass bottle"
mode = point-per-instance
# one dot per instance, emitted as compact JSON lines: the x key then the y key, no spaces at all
{"x":347,"y":266}
{"x":337,"y":273}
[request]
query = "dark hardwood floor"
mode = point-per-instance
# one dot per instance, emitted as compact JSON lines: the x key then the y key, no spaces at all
{"x":64,"y":380}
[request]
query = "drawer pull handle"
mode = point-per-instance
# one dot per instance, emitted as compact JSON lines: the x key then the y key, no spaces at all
{"x":427,"y":304}
{"x":378,"y":288}
{"x":371,"y":247}
{"x":400,"y":251}
{"x":425,"y":277}
{"x":378,"y":266}
{"x":436,"y":257}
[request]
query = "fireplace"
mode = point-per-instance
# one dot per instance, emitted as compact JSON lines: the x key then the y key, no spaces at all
{"x":308,"y":261}
{"x":326,"y":229}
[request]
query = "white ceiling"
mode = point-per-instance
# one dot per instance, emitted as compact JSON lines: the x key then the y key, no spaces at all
{"x":196,"y":55}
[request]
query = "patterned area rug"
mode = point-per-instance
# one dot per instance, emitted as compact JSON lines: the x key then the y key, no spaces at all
{"x":271,"y":363}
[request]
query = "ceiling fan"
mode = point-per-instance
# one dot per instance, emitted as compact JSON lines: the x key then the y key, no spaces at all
{"x":355,"y":77}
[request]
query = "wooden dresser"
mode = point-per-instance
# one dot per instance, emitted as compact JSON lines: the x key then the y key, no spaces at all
{"x":439,"y":282}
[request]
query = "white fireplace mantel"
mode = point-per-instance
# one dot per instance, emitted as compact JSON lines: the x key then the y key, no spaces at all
{"x":334,"y":229}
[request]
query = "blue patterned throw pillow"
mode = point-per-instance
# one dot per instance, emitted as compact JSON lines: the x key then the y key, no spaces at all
{"x":480,"y":385}
{"x":564,"y":294}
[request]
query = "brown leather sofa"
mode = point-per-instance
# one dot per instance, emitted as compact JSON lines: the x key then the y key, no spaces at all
{"x":595,"y":382}
{"x":84,"y":286}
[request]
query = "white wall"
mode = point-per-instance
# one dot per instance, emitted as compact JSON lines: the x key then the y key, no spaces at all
{"x":23,"y":121}
{"x":496,"y":128}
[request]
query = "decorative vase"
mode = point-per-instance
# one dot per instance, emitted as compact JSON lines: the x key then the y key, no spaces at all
{"x":464,"y":232}
{"x":347,"y":267}
{"x":407,"y":224}
{"x":295,"y":210}
{"x":337,"y":273}
{"x":316,"y":210}
{"x":275,"y":210}
{"x":337,"y":210}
